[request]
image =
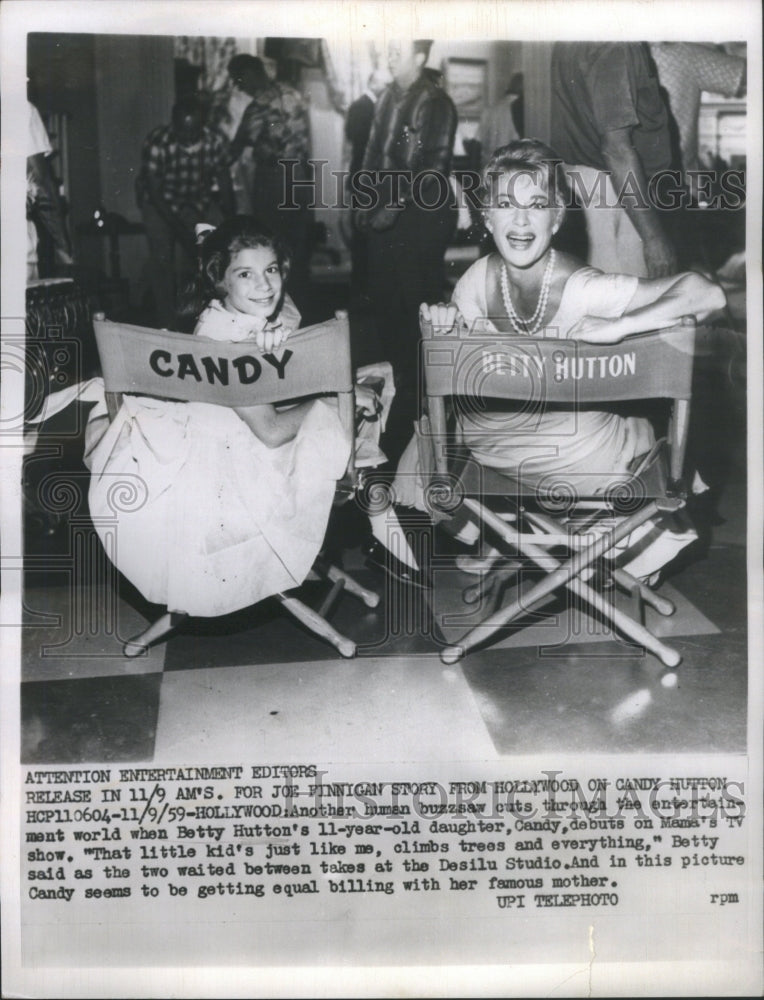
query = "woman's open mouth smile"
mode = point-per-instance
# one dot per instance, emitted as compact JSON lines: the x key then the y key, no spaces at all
{"x":519,"y":242}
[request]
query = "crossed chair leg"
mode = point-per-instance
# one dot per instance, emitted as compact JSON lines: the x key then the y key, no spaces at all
{"x":568,"y":574}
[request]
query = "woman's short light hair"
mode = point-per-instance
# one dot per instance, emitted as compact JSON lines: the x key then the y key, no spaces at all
{"x":526,"y":156}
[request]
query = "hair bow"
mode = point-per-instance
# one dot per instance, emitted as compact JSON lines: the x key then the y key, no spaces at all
{"x":202,"y":231}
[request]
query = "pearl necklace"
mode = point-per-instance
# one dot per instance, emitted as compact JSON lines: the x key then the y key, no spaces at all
{"x":527,"y":327}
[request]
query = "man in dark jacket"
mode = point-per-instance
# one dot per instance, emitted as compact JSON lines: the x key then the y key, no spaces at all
{"x":358,"y":124}
{"x":413,"y":214}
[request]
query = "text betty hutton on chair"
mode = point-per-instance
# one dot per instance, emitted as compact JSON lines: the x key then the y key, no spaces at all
{"x":527,"y":288}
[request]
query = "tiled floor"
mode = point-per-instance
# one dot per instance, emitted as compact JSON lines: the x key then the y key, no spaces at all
{"x":257,"y":683}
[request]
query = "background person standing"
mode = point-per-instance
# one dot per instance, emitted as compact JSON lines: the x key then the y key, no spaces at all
{"x":685,"y":71}
{"x":276,"y":128}
{"x":358,"y":124}
{"x":43,"y":204}
{"x":411,"y":223}
{"x":610,"y":125}
{"x":184,"y":180}
{"x":498,"y":123}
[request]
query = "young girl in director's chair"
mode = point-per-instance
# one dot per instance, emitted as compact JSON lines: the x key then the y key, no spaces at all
{"x":230,"y":504}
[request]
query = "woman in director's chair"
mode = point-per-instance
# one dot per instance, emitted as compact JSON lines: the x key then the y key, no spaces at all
{"x":527,"y":288}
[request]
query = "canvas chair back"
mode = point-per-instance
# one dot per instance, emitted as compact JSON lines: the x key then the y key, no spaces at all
{"x":541,"y":371}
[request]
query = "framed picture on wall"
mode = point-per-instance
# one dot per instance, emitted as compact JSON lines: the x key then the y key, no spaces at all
{"x":467,"y":84}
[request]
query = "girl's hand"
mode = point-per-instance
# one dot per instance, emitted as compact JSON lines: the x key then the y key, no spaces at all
{"x":443,"y":317}
{"x":272,"y":337}
{"x":597,"y":330}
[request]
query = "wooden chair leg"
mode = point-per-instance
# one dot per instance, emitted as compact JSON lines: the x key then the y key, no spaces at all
{"x":661,"y":604}
{"x":633,"y":630}
{"x":491,"y":583}
{"x":623,"y":578}
{"x":160,"y":628}
{"x":369,"y":598}
{"x":331,"y":598}
{"x":318,"y":625}
{"x":532,"y":601}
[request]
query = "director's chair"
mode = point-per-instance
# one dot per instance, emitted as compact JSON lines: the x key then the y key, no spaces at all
{"x":535,"y":373}
{"x":137,"y":360}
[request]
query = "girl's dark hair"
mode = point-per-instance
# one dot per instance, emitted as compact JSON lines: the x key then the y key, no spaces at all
{"x":529,"y":156}
{"x":216,"y":251}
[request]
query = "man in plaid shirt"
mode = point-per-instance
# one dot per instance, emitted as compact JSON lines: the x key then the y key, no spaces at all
{"x":184,"y":180}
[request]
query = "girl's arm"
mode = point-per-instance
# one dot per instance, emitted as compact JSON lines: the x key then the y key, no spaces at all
{"x":656,"y":303}
{"x":274,"y":427}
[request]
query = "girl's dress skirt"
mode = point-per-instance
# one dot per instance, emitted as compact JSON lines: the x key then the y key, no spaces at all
{"x":208,"y":519}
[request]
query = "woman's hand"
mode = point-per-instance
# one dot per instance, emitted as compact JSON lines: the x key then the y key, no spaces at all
{"x":443,"y":317}
{"x":271,"y":337}
{"x":597,"y":330}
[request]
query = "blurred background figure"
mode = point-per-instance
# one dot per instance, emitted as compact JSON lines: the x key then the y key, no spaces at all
{"x":275,"y":127}
{"x":184,"y":180}
{"x":409,"y":228}
{"x":611,"y":127}
{"x":243,"y":167}
{"x":360,"y":116}
{"x":517,"y":88}
{"x":685,"y":70}
{"x":357,"y":130}
{"x":502,"y":122}
{"x":43,"y":204}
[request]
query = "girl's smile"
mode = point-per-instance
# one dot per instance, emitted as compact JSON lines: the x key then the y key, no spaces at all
{"x":253,"y":282}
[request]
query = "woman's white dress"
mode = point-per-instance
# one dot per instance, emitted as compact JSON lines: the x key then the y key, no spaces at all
{"x":585,"y":447}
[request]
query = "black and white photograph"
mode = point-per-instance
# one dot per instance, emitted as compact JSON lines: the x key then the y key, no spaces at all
{"x":381,"y":511}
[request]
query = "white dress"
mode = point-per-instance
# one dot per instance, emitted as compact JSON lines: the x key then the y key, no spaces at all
{"x":208,"y":519}
{"x":585,"y":446}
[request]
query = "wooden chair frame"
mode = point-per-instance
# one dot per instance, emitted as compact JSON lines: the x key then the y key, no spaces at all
{"x":540,"y":371}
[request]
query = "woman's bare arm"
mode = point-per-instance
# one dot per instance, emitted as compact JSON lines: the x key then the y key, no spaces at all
{"x":656,"y":303}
